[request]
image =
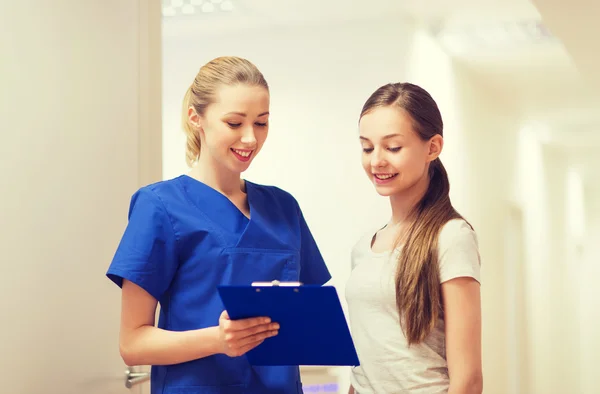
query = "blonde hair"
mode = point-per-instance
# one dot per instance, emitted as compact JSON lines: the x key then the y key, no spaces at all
{"x":227,"y":70}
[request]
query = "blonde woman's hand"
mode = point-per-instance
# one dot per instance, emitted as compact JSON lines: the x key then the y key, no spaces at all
{"x":237,"y":337}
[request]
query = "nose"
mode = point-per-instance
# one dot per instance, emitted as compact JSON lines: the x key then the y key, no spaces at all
{"x":248,"y":136}
{"x":378,"y":159}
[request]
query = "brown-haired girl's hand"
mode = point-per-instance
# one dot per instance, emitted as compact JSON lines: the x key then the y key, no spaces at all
{"x":237,"y":337}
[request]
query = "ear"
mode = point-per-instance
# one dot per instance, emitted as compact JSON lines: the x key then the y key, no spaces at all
{"x":436,"y":144}
{"x":194,"y":118}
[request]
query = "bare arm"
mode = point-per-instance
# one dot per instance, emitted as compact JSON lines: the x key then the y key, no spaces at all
{"x":462,"y":308}
{"x":141,"y":343}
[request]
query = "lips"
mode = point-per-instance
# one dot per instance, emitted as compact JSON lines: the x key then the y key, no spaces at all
{"x":384,"y":176}
{"x":242,"y":154}
{"x":381,"y":179}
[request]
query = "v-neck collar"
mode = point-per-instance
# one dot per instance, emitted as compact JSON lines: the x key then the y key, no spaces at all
{"x":231,"y":225}
{"x":216,"y":206}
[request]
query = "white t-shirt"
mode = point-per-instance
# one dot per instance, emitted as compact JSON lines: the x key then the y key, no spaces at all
{"x":388,"y":365}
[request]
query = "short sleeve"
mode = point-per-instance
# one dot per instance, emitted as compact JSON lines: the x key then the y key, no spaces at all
{"x":458,"y":252}
{"x":313,"y":269}
{"x":146,"y":253}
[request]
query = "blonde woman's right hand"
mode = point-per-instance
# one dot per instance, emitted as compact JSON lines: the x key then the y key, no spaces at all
{"x":237,"y":337}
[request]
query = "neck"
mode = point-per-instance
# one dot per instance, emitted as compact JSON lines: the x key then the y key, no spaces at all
{"x":227,"y":182}
{"x":404,"y":202}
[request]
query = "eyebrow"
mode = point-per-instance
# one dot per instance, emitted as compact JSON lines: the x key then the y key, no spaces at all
{"x":244,"y":115}
{"x":384,"y":138}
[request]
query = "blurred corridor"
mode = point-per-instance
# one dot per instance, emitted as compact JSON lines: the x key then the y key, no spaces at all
{"x":91,"y":97}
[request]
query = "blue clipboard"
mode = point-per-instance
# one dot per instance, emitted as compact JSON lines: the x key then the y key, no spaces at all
{"x":313,"y":328}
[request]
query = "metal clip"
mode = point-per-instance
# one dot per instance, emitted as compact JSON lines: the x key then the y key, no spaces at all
{"x":132,"y":378}
{"x":276,"y":283}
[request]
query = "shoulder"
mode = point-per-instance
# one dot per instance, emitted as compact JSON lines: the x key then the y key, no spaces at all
{"x":457,"y":232}
{"x":165,"y":189}
{"x":458,"y":251}
{"x":154,"y":196}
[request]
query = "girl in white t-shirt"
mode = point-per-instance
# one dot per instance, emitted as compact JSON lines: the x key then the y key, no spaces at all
{"x":414,"y":294}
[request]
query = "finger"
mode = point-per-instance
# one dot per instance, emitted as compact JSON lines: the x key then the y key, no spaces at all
{"x":235,"y":337}
{"x":257,"y":330}
{"x":244,"y":324}
{"x":224,"y":316}
{"x":261,"y":336}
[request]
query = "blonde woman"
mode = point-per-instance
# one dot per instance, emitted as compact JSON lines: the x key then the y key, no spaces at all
{"x":211,"y":227}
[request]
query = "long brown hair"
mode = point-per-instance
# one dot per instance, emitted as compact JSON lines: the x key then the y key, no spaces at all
{"x":418,"y":292}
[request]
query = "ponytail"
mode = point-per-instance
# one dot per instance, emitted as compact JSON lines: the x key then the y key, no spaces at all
{"x":418,"y":292}
{"x":192,"y":146}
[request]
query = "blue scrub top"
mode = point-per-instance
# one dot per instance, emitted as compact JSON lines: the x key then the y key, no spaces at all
{"x":184,"y":239}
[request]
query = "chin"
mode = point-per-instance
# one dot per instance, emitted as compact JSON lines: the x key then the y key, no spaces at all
{"x":391,"y":189}
{"x":241,"y":167}
{"x":385,"y":191}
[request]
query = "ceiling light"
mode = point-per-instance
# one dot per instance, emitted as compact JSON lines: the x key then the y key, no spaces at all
{"x":208,"y":7}
{"x":169,"y":11}
{"x":226,"y":5}
{"x":493,"y":37}
{"x":172,"y":8}
{"x":187,"y":9}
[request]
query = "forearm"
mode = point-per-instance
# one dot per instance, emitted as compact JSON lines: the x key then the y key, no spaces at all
{"x":149,"y":345}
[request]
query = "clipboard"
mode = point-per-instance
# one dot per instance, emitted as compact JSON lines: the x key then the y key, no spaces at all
{"x":313,"y":328}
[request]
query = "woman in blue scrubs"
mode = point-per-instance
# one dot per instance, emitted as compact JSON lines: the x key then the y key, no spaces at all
{"x":188,"y":235}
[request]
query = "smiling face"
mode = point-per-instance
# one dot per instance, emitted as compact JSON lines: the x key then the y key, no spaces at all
{"x":234,"y":127}
{"x":394,"y":156}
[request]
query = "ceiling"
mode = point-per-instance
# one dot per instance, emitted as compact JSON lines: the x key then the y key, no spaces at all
{"x":576,"y":23}
{"x":263,"y":14}
{"x":549,"y":78}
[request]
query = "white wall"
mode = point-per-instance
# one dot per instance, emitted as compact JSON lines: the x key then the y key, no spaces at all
{"x":589,"y":294}
{"x":561,"y":352}
{"x":551,"y":196}
{"x":74,"y":107}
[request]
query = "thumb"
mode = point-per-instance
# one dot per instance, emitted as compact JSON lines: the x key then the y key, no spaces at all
{"x":224,"y":316}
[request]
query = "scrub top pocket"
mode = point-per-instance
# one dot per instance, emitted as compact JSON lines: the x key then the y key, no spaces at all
{"x":247,"y":265}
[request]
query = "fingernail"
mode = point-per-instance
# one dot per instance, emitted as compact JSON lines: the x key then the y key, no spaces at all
{"x":275,"y":326}
{"x":273,"y":333}
{"x":267,"y":320}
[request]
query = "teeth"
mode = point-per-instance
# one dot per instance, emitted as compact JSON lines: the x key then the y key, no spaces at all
{"x":242,"y":153}
{"x":384,"y":176}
